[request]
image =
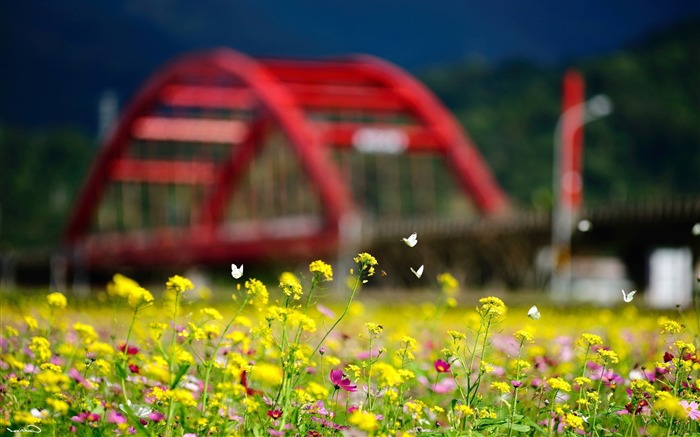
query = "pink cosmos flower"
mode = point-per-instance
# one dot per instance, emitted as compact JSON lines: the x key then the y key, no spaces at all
{"x":691,"y":409}
{"x":442,"y":366}
{"x":339,"y":379}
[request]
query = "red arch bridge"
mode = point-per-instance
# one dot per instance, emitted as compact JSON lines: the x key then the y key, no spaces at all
{"x":223,"y":158}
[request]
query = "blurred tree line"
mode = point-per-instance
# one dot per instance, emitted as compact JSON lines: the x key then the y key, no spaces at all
{"x":649,"y":147}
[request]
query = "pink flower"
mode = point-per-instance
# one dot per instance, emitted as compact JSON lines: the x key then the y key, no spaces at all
{"x":442,"y":366}
{"x":339,"y":379}
{"x":691,"y":409}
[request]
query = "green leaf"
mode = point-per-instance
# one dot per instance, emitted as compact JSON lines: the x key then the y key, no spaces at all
{"x":180,"y":373}
{"x":121,"y":370}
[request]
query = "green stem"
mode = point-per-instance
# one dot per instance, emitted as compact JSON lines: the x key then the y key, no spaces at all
{"x":355,"y":287}
{"x":210,"y":364}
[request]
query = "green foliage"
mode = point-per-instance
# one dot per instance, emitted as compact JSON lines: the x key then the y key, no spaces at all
{"x":648,"y":147}
{"x":40,"y":174}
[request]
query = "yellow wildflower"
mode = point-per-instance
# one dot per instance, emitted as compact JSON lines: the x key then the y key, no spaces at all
{"x":573,"y":421}
{"x":373,"y":328}
{"x":491,"y":307}
{"x":257,"y":292}
{"x":607,"y":356}
{"x":559,"y":384}
{"x":448,"y":284}
{"x":366,"y":263}
{"x":523,"y":335}
{"x":292,"y":288}
{"x":57,"y":300}
{"x":500,"y":387}
{"x":321,"y":270}
{"x":86,"y":333}
{"x":590,"y":339}
{"x":364,"y":420}
{"x":177,"y":284}
{"x":41,"y":348}
{"x":31,"y":324}
{"x":670,"y":326}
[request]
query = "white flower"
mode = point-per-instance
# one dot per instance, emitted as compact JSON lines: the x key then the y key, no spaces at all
{"x":627,"y":297}
{"x":418,"y":272}
{"x":412,"y":240}
{"x":236,"y":272}
{"x":534,"y":313}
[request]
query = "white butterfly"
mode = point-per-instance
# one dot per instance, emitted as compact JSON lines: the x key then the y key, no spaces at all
{"x":236,"y":272}
{"x":534,"y":313}
{"x":627,"y":297}
{"x":418,"y":272}
{"x":412,"y":240}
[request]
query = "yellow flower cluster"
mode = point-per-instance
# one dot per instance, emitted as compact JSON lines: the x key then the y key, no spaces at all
{"x":364,"y":420}
{"x":448,"y":284}
{"x":321,"y":270}
{"x":606,"y":356}
{"x":588,"y":340}
{"x":559,"y":384}
{"x":501,"y":387}
{"x":177,"y":284}
{"x":57,"y":300}
{"x":491,"y":307}
{"x":670,"y":326}
{"x":257,"y":292}
{"x":366,"y":263}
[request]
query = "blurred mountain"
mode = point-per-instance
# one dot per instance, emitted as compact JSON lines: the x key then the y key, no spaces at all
{"x":59,"y":56}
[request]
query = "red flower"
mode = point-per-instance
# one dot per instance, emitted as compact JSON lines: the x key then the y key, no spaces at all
{"x":339,"y":379}
{"x":134,"y":368}
{"x":442,"y":366}
{"x":130,"y":350}
{"x":275,"y":414}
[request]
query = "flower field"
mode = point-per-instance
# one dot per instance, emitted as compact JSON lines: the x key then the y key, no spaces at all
{"x":297,"y":359}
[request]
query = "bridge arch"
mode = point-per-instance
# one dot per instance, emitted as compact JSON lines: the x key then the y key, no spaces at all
{"x":181,"y":180}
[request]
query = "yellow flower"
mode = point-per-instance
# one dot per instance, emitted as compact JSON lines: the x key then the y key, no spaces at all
{"x":523,"y":335}
{"x":607,"y":356}
{"x":182,"y":396}
{"x":448,"y":284}
{"x":290,"y":286}
{"x":121,"y":286}
{"x":139,"y":296}
{"x":501,"y":387}
{"x":156,"y":329}
{"x":211,"y":313}
{"x":669,"y":326}
{"x":559,"y":384}
{"x":321,"y":270}
{"x":590,"y":339}
{"x":573,"y":421}
{"x":364,"y":420}
{"x":366,"y":263}
{"x":58,"y":406}
{"x":266,"y":373}
{"x":57,"y":300}
{"x":465,"y":410}
{"x":257,"y":292}
{"x":86,"y":333}
{"x":318,"y":391}
{"x":31,"y":323}
{"x":41,"y":348}
{"x":177,"y":284}
{"x":305,"y":322}
{"x":491,"y":307}
{"x":373,"y":328}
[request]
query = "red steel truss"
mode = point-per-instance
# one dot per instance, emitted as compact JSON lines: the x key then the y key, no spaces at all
{"x":226,"y":99}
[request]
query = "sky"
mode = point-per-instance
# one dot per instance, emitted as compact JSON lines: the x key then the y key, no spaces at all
{"x":61,"y":55}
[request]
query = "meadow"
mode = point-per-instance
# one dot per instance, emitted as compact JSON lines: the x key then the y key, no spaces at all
{"x":296,"y":358}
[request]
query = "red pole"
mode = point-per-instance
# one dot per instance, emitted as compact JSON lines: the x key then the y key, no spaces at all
{"x":571,"y":180}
